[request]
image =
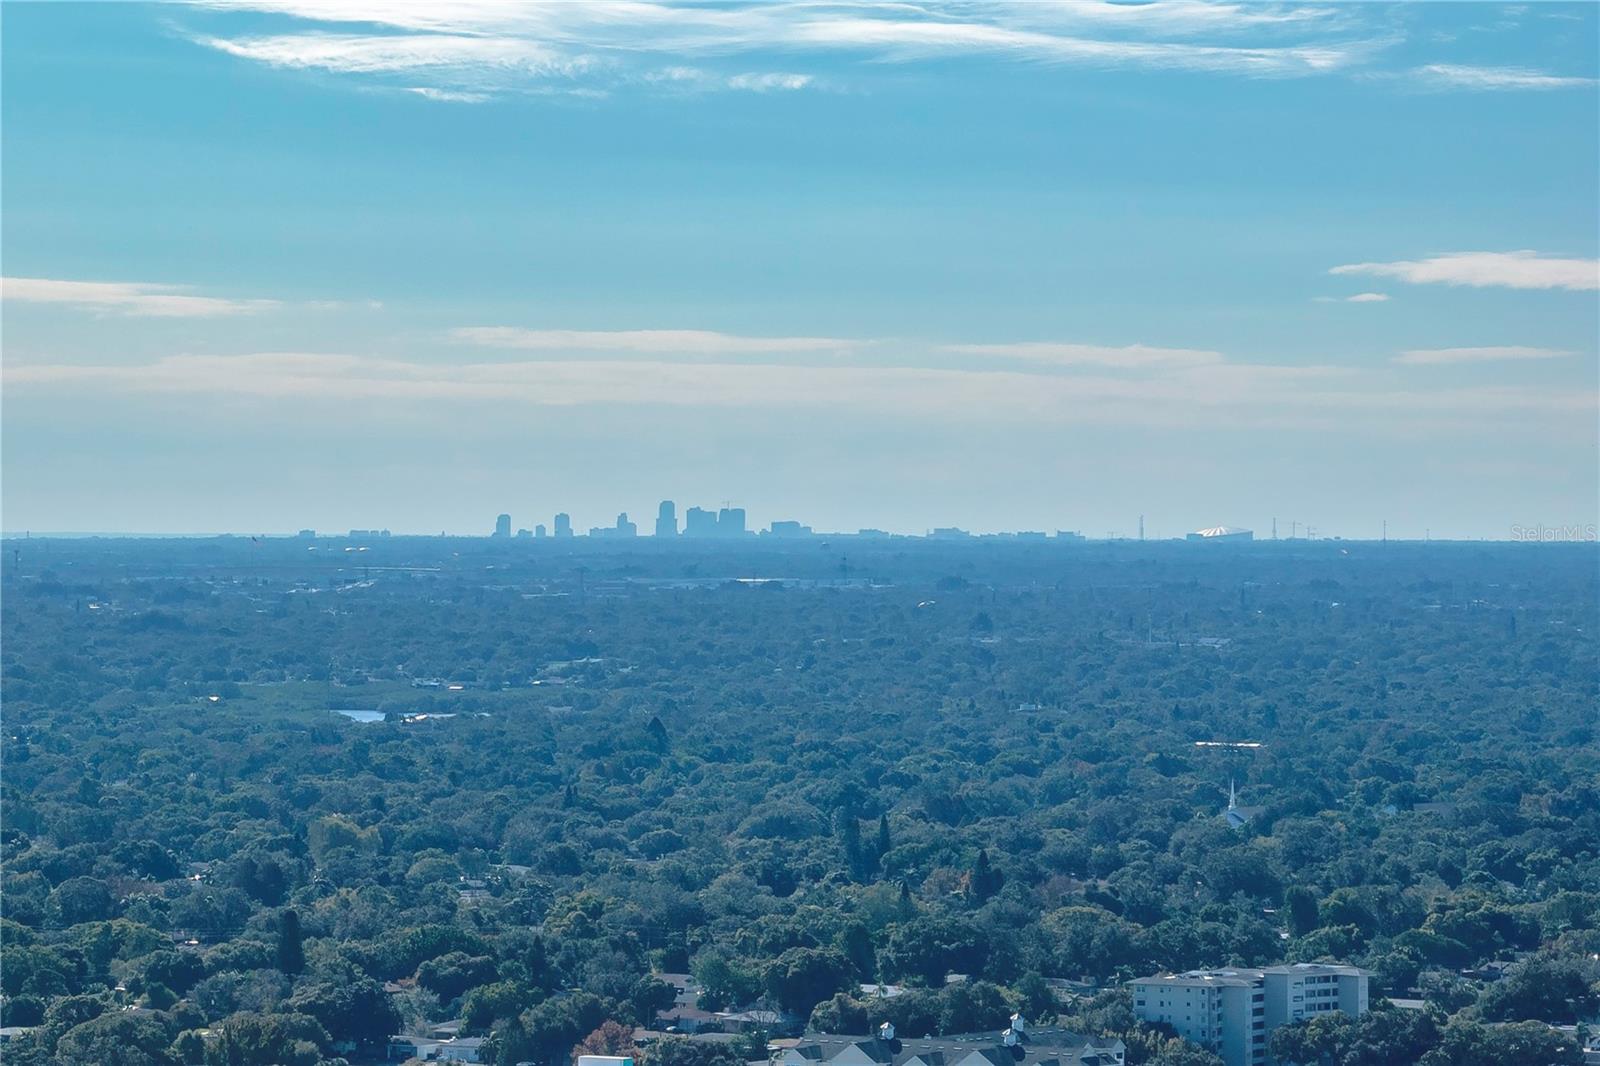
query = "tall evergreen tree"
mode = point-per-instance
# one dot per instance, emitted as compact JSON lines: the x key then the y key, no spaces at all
{"x":291,"y":946}
{"x":850,"y":835}
{"x":986,"y":880}
{"x":658,"y":734}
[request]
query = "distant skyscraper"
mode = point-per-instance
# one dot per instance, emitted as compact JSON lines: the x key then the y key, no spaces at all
{"x":730,"y":522}
{"x":539,"y":531}
{"x":502,"y":526}
{"x":698,"y":522}
{"x":563,"y":525}
{"x":667,"y":519}
{"x":626,"y":528}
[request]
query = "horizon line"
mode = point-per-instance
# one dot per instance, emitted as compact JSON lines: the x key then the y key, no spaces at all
{"x":1576,"y":533}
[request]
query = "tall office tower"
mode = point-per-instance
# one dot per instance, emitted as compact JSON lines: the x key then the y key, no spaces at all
{"x":730,"y":522}
{"x":698,"y":522}
{"x":667,"y":519}
{"x":563,"y":525}
{"x":502,"y":526}
{"x":539,"y":531}
{"x":626,"y":528}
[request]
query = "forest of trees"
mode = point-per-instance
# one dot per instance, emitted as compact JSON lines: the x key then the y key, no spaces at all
{"x":913,"y":760}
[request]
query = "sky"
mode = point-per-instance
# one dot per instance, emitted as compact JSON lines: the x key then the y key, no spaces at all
{"x":348,"y":264}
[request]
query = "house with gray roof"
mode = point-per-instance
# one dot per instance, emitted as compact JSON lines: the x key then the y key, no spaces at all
{"x":1020,"y":1045}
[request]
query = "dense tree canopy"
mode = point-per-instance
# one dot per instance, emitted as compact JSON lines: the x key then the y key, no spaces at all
{"x":585,"y":765}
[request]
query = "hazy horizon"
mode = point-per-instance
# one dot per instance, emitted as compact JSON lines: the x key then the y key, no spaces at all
{"x":1008,"y":267}
{"x":1535,"y":534}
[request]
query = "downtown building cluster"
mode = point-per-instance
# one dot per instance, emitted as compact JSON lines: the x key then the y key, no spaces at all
{"x":727,"y":523}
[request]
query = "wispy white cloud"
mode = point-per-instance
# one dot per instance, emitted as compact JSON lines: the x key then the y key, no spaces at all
{"x":710,"y":343}
{"x":675,"y":341}
{"x":154,"y":300}
{"x":392,"y":53}
{"x":343,"y":305}
{"x":1513,"y":270}
{"x":699,"y":79}
{"x":1133,"y":356}
{"x":480,"y":46}
{"x":454,"y":96}
{"x":678,"y":21}
{"x":128,"y":298}
{"x":1450,"y":356}
{"x":763,"y":83}
{"x":1358,"y":298}
{"x":1193,"y":395}
{"x":1456,"y":76}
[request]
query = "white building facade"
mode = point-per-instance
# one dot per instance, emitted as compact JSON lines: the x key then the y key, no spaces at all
{"x":1234,"y":1011}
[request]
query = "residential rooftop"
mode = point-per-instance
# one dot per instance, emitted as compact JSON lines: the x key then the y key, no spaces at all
{"x":1025,"y":1046}
{"x":1244,"y":975}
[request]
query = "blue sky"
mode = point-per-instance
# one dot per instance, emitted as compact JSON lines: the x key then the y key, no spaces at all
{"x":342,"y":263}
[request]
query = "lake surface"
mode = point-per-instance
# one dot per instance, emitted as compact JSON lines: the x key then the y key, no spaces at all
{"x":359,"y":715}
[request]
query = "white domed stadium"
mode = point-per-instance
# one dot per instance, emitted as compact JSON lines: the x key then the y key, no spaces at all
{"x":1224,"y":533}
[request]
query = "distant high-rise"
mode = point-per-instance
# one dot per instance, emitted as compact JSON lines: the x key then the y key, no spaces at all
{"x":698,"y":522}
{"x":539,"y":531}
{"x":502,"y":526}
{"x":790,"y":529}
{"x":667,"y":519}
{"x":626,"y":528}
{"x":730,"y":522}
{"x":563,"y":525}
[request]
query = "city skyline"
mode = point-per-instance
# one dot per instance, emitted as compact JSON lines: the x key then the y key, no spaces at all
{"x":710,"y":528}
{"x":999,"y":267}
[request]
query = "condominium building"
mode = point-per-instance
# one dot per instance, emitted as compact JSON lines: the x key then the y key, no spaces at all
{"x":1234,"y":1011}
